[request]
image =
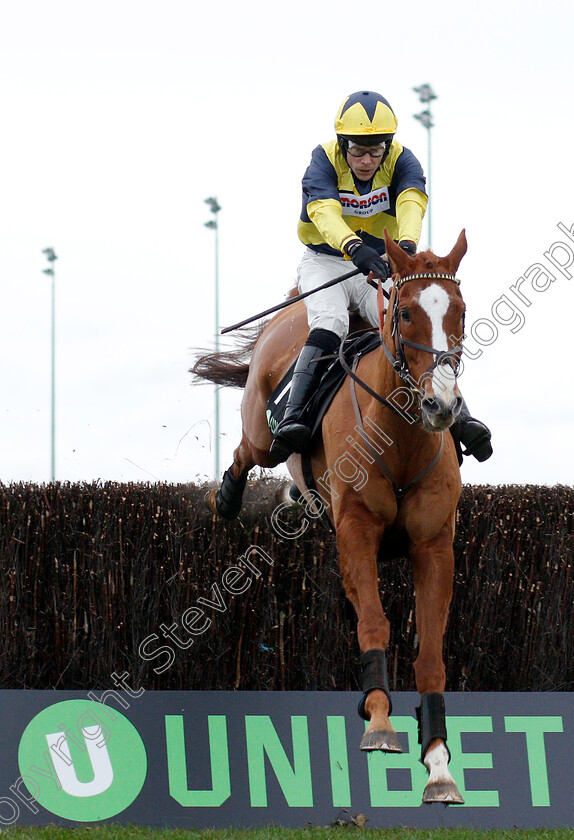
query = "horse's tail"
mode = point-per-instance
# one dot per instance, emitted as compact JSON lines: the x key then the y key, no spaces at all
{"x":229,"y":368}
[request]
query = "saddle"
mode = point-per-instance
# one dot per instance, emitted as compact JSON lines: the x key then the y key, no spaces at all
{"x":355,"y":346}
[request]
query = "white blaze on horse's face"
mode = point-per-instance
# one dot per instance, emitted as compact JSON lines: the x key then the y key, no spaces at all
{"x":444,"y":398}
{"x":435,"y":302}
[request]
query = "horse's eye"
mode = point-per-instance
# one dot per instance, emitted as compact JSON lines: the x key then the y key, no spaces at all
{"x":406,"y":315}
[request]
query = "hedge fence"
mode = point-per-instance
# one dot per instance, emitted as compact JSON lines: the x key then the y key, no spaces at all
{"x":95,"y":575}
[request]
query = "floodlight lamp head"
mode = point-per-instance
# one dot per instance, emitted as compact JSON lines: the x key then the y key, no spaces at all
{"x":213,"y":204}
{"x":425,"y":117}
{"x":426,"y":93}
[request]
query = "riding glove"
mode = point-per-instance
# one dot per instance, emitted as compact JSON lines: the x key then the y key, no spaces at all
{"x":366,"y":259}
{"x":409,"y":246}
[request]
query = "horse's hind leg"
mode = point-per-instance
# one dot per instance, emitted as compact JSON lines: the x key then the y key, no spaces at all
{"x":433,"y":566}
{"x":226,"y":502}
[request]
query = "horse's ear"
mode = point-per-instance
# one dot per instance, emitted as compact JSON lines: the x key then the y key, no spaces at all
{"x":400,"y":260}
{"x":458,"y":252}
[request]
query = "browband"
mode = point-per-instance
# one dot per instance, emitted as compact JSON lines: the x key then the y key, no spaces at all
{"x":427,"y":276}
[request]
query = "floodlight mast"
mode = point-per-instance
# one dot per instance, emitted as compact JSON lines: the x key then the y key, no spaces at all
{"x":426,"y":95}
{"x":212,"y":224}
{"x":51,"y":257}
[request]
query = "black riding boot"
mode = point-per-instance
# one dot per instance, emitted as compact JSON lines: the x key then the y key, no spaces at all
{"x":473,"y":434}
{"x":293,"y":435}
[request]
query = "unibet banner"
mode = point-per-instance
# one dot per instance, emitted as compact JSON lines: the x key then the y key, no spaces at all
{"x":198,"y":759}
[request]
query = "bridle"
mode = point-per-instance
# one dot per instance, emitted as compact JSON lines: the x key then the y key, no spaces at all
{"x":399,"y":359}
{"x":400,"y":365}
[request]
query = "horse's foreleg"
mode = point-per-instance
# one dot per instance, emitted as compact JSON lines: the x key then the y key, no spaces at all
{"x":433,"y":567}
{"x":226,"y":502}
{"x":358,"y":541}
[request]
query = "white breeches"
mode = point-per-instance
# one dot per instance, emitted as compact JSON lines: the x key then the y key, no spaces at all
{"x":329,"y":309}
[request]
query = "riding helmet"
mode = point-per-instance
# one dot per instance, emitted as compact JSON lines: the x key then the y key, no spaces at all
{"x":365,"y":118}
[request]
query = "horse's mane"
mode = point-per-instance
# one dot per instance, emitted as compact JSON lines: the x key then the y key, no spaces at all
{"x":230,"y":368}
{"x":427,"y":260}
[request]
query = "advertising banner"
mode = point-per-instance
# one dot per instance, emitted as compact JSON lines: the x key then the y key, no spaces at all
{"x":198,"y":759}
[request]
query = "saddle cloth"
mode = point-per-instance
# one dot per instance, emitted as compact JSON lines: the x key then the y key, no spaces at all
{"x":355,"y":346}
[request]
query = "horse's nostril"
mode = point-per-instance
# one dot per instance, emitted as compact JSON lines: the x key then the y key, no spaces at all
{"x":431,"y":405}
{"x":457,"y":406}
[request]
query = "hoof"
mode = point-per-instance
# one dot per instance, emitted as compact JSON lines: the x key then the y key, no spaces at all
{"x":445,"y":792}
{"x":381,"y":739}
{"x":209,"y":501}
{"x":220,"y":507}
{"x":289,"y":494}
{"x":295,"y":495}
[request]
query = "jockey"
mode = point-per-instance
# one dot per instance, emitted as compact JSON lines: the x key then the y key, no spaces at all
{"x":354,"y":188}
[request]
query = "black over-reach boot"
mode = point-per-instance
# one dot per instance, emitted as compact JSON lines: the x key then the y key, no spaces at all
{"x":472,"y":434}
{"x":292,"y":435}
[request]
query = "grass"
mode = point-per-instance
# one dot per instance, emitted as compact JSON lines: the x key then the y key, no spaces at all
{"x":119,"y":832}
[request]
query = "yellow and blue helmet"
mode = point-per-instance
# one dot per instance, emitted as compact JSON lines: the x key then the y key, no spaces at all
{"x":365,"y":118}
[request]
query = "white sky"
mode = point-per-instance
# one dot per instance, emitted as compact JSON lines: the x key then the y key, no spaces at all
{"x":120,"y":118}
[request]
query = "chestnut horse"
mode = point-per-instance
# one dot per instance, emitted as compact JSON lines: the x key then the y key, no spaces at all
{"x":406,"y":393}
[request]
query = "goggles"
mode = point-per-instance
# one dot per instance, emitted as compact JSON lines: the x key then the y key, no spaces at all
{"x":357,"y":151}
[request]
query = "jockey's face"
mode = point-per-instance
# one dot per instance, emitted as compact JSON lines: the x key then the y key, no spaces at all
{"x":364,"y":164}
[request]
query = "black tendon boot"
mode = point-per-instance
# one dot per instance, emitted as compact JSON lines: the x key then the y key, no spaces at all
{"x":471,"y":433}
{"x":292,"y":435}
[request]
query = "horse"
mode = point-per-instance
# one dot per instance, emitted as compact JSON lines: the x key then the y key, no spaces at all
{"x":406,"y":392}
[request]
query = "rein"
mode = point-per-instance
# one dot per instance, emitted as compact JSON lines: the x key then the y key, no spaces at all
{"x":351,"y":373}
{"x":376,"y":455}
{"x":400,"y":365}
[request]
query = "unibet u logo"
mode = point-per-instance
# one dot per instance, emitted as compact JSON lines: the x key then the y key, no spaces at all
{"x":82,"y":761}
{"x":64,"y":765}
